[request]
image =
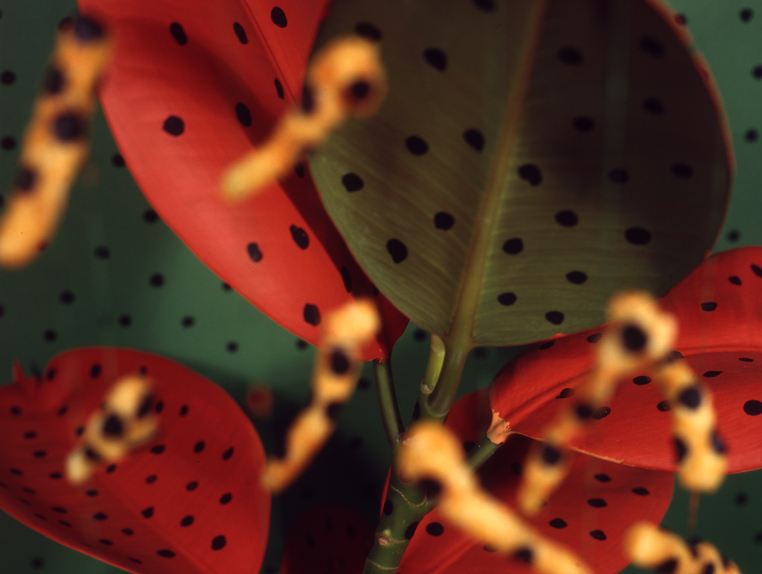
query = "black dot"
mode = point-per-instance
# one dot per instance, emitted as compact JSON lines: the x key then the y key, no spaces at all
{"x":410,"y":531}
{"x":567,"y":218}
{"x":279,"y":89}
{"x":219,"y":542}
{"x":436,"y":58}
{"x":37,"y":563}
{"x":757,"y":72}
{"x":583,"y":124}
{"x":513,"y":246}
{"x":485,"y":5}
{"x":690,"y":397}
{"x":601,"y":413}
{"x":8,"y":143}
{"x":751,"y":135}
{"x":734,"y":280}
{"x":128,"y":531}
{"x":584,"y":411}
{"x":102,"y":252}
{"x":352,"y":182}
{"x":240,"y":33}
{"x":388,"y":507}
{"x":30,"y":435}
{"x":682,"y":170}
{"x":550,"y":455}
{"x":232,"y":347}
{"x":602,"y":477}
{"x":300,"y":237}
{"x":680,"y":449}
{"x":598,"y":534}
{"x":565,"y":393}
{"x":547,"y":345}
{"x":474,"y":138}
{"x":156,"y":280}
{"x":178,"y":33}
{"x":745,"y":359}
{"x":554,"y":317}
{"x":757,"y":270}
{"x":7,"y":78}
{"x":187,"y":521}
{"x":174,"y":126}
{"x":640,"y":491}
{"x":709,"y":306}
{"x":243,"y":114}
{"x":254,"y":253}
{"x":15,"y":411}
{"x":339,"y":362}
{"x":711,"y":374}
{"x":594,"y":338}
{"x":653,"y":106}
{"x":443,"y":220}
{"x":228,"y":453}
{"x":651,"y":46}
{"x":346,"y":278}
{"x":416,"y":145}
{"x":558,"y":523}
{"x":66,"y":297}
{"x":746,"y":14}
{"x":435,"y":529}
{"x":278,"y":16}
{"x":87,"y":29}
{"x":359,"y":90}
{"x":368,"y":31}
{"x":150,"y":216}
{"x":741,"y":499}
{"x":311,"y":314}
{"x":166,"y":553}
{"x":25,"y":179}
{"x":184,"y":410}
{"x":68,"y":127}
{"x":199,"y":446}
{"x":188,"y":321}
{"x":110,"y":468}
{"x":569,"y":55}
{"x":397,"y":250}
{"x":192,"y":485}
{"x":117,"y":160}
{"x":299,"y":169}
{"x":633,"y":338}
{"x":50,"y":335}
{"x":506,"y":299}
{"x":125,"y":320}
{"x":308,"y":100}
{"x":147,"y":512}
{"x":641,"y":380}
{"x":113,"y":426}
{"x":752,"y":408}
{"x":576,"y":277}
{"x":158,"y":449}
{"x":225,"y":498}
{"x":597,"y":503}
{"x":664,"y":406}
{"x":619,"y":175}
{"x":530,"y":173}
{"x":637,"y":235}
{"x":100,"y":516}
{"x":151,"y":479}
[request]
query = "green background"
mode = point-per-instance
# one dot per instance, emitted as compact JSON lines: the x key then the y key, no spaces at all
{"x":86,"y":300}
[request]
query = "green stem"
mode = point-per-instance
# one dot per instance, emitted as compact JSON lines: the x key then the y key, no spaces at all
{"x":434,"y":368}
{"x":478,"y":455}
{"x":387,"y":401}
{"x":404,"y":507}
{"x":437,"y":404}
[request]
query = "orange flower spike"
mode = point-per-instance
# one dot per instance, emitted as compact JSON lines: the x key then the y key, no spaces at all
{"x":700,"y":452}
{"x":639,"y":335}
{"x":337,"y":371}
{"x":432,"y":452}
{"x":649,"y":546}
{"x":55,"y":143}
{"x":346,"y":79}
{"x":124,"y":422}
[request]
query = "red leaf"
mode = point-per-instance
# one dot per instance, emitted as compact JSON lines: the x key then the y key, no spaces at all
{"x":135,"y":515}
{"x":629,"y":494}
{"x":327,"y":539}
{"x":192,"y":86}
{"x":719,"y":311}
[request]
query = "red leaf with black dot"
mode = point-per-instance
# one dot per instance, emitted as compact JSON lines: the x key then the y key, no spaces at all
{"x":190,"y":501}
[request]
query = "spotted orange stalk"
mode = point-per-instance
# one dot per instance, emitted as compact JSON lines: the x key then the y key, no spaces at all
{"x":55,"y":143}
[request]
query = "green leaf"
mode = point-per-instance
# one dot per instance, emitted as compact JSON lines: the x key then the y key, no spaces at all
{"x":531,"y":159}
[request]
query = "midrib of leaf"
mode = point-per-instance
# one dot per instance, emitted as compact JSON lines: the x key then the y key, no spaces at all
{"x":459,"y":339}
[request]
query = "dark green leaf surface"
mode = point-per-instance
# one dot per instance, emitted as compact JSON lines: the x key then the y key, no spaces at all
{"x":530,"y":160}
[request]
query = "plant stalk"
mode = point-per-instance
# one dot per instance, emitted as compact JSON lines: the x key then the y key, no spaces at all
{"x":480,"y":453}
{"x":387,"y":401}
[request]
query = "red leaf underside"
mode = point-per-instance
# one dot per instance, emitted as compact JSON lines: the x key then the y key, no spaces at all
{"x":193,"y":85}
{"x":190,"y":501}
{"x":575,"y":516}
{"x":719,"y":310}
